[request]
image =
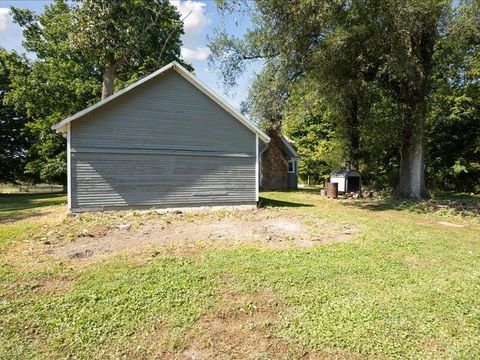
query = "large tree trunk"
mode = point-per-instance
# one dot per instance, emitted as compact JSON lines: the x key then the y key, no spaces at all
{"x":108,"y":80}
{"x":353,"y":132}
{"x":412,"y":164}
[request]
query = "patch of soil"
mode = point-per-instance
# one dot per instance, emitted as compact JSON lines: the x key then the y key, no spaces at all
{"x":245,"y":326}
{"x":46,"y":285}
{"x":54,"y":285}
{"x":445,"y":223}
{"x":244,"y":329}
{"x":260,"y":228}
{"x":81,"y":254}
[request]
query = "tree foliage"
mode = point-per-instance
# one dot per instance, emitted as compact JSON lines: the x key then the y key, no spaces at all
{"x":13,"y":140}
{"x":453,"y":125}
{"x":371,"y":63}
{"x":126,"y":37}
{"x":76,"y":46}
{"x":309,"y":121}
{"x":59,"y":82}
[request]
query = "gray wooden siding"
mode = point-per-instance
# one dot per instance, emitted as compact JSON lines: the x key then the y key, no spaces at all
{"x":166,"y":112}
{"x":164,"y":144}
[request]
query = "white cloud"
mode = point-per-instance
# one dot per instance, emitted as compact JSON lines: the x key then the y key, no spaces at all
{"x":195,"y":23}
{"x":4,"y":18}
{"x":199,"y":53}
{"x":10,"y":33}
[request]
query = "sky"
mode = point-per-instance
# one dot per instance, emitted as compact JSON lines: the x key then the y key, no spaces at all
{"x":200,"y":24}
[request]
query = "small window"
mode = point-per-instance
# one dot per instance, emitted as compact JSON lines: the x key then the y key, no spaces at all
{"x":291,"y":166}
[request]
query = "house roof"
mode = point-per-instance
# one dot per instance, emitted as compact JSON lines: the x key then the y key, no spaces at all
{"x":288,"y":145}
{"x":62,"y":125}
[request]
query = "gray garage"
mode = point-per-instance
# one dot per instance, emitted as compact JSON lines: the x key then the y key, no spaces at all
{"x":166,"y":141}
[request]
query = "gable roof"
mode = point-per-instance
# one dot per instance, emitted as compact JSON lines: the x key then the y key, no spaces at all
{"x":288,"y":145}
{"x":62,"y":125}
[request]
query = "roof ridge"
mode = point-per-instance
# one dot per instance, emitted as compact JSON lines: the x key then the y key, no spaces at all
{"x":176,"y":66}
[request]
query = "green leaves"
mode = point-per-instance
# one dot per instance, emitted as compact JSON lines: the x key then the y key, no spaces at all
{"x":74,"y":43}
{"x":126,"y":38}
{"x":453,"y":124}
{"x":382,"y":69}
{"x":13,"y":138}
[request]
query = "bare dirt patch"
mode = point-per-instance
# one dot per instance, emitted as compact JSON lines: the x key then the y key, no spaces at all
{"x":244,"y":326}
{"x":272,"y":229}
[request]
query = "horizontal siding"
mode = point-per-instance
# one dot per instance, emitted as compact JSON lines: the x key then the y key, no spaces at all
{"x":160,"y":152}
{"x":165,"y":143}
{"x":117,"y":180}
{"x":167,"y":112}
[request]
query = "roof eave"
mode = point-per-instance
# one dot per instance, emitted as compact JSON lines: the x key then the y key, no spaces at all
{"x":222,"y":103}
{"x":289,"y":147}
{"x":111,"y":97}
{"x":62,"y":125}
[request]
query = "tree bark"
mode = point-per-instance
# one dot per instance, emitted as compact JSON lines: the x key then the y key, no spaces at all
{"x":353,"y":131}
{"x":412,"y":163}
{"x":108,"y":79}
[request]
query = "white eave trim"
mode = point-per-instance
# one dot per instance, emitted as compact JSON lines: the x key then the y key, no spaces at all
{"x":289,"y":147}
{"x":62,"y":125}
{"x":257,"y":170}
{"x":69,"y":168}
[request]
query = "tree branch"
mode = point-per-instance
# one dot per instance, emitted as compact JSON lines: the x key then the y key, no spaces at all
{"x":170,"y":35}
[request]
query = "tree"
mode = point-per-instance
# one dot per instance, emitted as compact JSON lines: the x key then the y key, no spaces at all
{"x":59,"y":82}
{"x":78,"y":51}
{"x":13,"y":140}
{"x":297,"y":48}
{"x":453,"y":123}
{"x":411,"y":29}
{"x":310,"y":122}
{"x":358,"y":52}
{"x":127,"y":37}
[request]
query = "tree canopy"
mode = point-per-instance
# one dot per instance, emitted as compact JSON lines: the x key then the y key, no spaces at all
{"x":81,"y":51}
{"x":13,"y":140}
{"x":126,"y":37}
{"x":374,"y":65}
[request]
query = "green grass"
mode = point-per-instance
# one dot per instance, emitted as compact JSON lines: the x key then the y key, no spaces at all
{"x":406,"y":287}
{"x":15,"y":205}
{"x":105,"y":308}
{"x":467,"y":198}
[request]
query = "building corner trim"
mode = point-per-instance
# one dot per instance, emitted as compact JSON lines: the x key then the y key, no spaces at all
{"x":69,"y":167}
{"x":257,"y":169}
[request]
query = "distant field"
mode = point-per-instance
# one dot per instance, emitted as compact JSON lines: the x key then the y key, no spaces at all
{"x":29,"y":189}
{"x":303,"y":278}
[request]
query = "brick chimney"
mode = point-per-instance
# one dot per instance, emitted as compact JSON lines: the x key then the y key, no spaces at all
{"x":274,"y":164}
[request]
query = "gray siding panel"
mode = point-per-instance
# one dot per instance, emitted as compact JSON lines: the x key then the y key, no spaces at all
{"x":166,"y":112}
{"x":165,"y":144}
{"x":150,"y":180}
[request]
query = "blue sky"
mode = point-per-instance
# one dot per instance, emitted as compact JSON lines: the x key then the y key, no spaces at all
{"x":202,"y":21}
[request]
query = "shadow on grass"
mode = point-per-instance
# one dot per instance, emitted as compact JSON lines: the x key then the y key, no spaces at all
{"x":440,"y":202}
{"x":266,"y":202}
{"x":463,"y":198}
{"x":11,"y":204}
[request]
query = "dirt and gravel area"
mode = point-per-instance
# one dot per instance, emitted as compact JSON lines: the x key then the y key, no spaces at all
{"x":264,"y":228}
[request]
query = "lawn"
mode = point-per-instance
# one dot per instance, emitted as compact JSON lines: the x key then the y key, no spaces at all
{"x":34,"y":208}
{"x":405,"y":284}
{"x":19,"y":205}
